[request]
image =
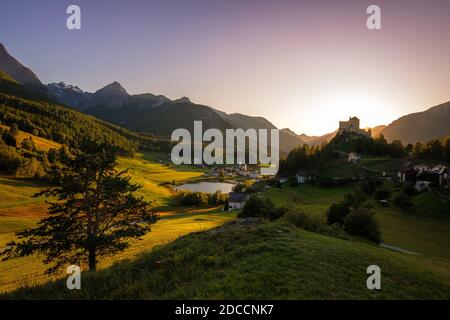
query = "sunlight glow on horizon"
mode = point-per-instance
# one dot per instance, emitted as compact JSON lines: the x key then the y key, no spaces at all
{"x":303,"y":65}
{"x":322,"y":116}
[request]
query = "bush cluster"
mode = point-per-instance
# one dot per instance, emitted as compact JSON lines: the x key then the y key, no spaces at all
{"x":355,"y":214}
{"x":256,"y":206}
{"x":187,"y":198}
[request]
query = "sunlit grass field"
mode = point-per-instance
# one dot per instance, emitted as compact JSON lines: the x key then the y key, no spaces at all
{"x":424,"y":230}
{"x":19,"y":210}
{"x":272,"y":260}
{"x":30,"y":270}
{"x":15,"y":192}
{"x":41,"y":144}
{"x":152,"y":171}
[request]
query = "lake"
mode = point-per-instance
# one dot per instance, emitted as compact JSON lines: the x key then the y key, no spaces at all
{"x":209,"y":187}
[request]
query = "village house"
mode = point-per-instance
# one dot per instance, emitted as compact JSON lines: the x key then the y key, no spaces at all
{"x":422,"y":176}
{"x":301,"y":178}
{"x":282,"y":179}
{"x":422,"y":185}
{"x":255,"y":175}
{"x":421,"y":168}
{"x":242,"y":167}
{"x":237,"y":200}
{"x":407,"y":176}
{"x":439,"y":174}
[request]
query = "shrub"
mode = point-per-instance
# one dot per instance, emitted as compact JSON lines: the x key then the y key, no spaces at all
{"x":239,"y":187}
{"x":28,"y":144}
{"x":409,"y":191}
{"x":293,"y":181}
{"x":326,"y":182}
{"x":362,"y":222}
{"x":31,"y":168}
{"x":9,"y":139}
{"x":52,"y":155}
{"x":382,"y":194}
{"x":314,"y":223}
{"x":354,"y":199}
{"x":369,"y":185}
{"x":257,"y":206}
{"x":337,"y":213}
{"x":278,"y":213}
{"x":14,"y":129}
{"x":10,"y":160}
{"x":192,"y":198}
{"x":335,"y":230}
{"x":305,"y":220}
{"x":403,"y":202}
{"x":217,"y":198}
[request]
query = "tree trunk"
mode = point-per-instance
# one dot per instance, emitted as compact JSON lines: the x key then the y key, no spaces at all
{"x":92,"y":260}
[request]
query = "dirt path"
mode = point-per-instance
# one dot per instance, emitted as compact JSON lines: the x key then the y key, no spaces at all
{"x":356,"y":163}
{"x":388,"y":246}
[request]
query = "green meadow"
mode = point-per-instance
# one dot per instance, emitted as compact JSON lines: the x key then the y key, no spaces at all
{"x":19,"y":210}
{"x":272,"y":260}
{"x":183,"y":258}
{"x":425,"y":229}
{"x":41,"y":144}
{"x":155,"y":172}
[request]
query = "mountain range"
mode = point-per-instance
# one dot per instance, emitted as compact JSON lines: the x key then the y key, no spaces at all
{"x":420,"y":126}
{"x":159,"y":115}
{"x":15,"y":69}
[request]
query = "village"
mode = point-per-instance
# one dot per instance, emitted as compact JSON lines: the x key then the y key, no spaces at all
{"x":409,"y":173}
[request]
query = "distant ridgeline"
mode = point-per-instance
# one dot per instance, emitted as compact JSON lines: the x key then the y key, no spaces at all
{"x":34,"y":112}
{"x":350,"y":138}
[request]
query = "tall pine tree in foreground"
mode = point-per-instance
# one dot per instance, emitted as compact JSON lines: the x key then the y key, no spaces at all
{"x":95,"y":214}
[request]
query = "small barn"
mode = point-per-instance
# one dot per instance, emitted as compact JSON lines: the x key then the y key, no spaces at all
{"x":237,"y":200}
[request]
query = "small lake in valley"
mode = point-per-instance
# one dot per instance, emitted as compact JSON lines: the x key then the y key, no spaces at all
{"x":209,"y":187}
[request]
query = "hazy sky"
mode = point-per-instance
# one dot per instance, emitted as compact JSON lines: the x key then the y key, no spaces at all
{"x":301,"y":64}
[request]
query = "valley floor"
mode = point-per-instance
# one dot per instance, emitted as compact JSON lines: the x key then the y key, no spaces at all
{"x":271,"y":260}
{"x":19,"y":210}
{"x":257,"y":261}
{"x":424,"y":229}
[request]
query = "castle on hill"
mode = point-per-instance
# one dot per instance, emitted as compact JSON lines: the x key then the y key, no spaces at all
{"x":352,"y":125}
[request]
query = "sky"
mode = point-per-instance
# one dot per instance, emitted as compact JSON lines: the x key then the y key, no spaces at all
{"x":301,"y":64}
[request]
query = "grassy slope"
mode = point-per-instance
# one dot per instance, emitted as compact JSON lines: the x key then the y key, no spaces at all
{"x":7,"y":77}
{"x":16,"y":193}
{"x":386,"y":163}
{"x":262,"y":264}
{"x":150,"y":170}
{"x":425,"y":230}
{"x":340,"y":167}
{"x":41,"y":144}
{"x":271,"y":261}
{"x":29,"y":270}
{"x":18,"y":210}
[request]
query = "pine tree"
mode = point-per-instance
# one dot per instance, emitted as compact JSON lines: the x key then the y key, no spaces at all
{"x":95,"y":215}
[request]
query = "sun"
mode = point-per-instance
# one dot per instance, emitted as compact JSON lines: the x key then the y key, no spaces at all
{"x":322,"y":115}
{"x":371,"y":109}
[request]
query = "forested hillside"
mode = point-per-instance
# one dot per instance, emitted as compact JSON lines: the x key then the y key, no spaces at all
{"x":34,"y":113}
